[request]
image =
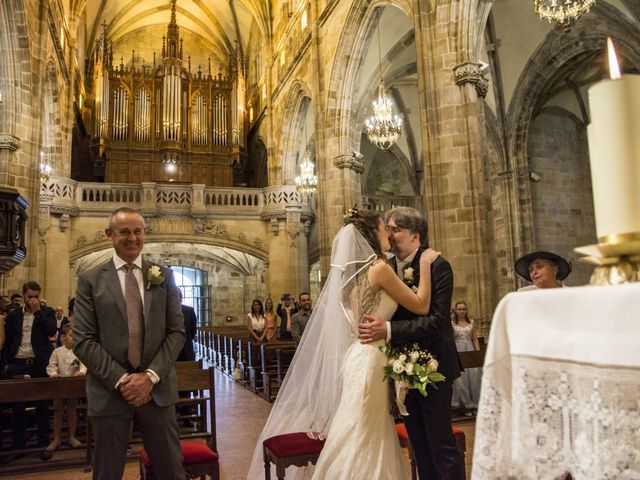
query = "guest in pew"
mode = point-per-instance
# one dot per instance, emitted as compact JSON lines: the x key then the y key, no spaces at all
{"x":190,"y":328}
{"x":187,"y":354}
{"x":128,"y":331}
{"x":286,"y":309}
{"x":270,"y":319}
{"x":256,"y":323}
{"x":64,"y":363}
{"x":16,"y":302}
{"x":300,"y":319}
{"x":4,"y":302}
{"x":544,"y":269}
{"x":466,"y":388}
{"x":26,"y":355}
{"x":61,"y":321}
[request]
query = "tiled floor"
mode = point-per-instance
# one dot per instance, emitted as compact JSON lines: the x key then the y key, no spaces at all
{"x":240,"y":417}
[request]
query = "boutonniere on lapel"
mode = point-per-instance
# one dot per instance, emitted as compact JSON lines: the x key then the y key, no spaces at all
{"x":408,"y":276}
{"x":154,"y":276}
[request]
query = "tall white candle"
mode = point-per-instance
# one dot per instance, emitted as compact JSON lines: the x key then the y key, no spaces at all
{"x":614,"y":151}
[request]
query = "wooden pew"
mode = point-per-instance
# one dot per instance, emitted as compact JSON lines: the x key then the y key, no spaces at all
{"x":252,"y":366}
{"x":273,"y":366}
{"x":44,"y":389}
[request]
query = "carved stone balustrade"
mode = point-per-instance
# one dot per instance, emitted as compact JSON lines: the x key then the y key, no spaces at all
{"x":65,"y":196}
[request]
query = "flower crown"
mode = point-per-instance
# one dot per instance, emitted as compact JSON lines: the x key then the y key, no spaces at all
{"x":350,"y":215}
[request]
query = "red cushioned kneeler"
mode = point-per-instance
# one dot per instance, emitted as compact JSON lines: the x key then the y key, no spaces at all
{"x":198,"y":460}
{"x":289,"y":449}
{"x":403,"y":437}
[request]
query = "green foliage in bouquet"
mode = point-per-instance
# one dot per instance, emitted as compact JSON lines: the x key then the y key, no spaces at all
{"x":411,"y":366}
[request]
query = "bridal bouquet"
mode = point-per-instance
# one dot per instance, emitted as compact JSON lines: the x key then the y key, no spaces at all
{"x":410,"y":367}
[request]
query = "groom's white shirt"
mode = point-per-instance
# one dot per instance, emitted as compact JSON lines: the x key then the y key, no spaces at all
{"x":400,"y":266}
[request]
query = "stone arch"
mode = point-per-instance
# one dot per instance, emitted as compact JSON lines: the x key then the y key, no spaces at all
{"x":297,"y":104}
{"x":343,"y":84}
{"x":257,"y":167}
{"x":51,"y":122}
{"x":88,"y":247}
{"x":554,"y":57}
{"x":15,"y":72}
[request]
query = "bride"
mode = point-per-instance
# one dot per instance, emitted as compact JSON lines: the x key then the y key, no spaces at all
{"x":334,"y":388}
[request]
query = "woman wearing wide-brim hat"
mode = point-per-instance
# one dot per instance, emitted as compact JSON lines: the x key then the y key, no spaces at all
{"x":544,"y":269}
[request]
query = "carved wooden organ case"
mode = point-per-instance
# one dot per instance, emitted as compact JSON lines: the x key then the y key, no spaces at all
{"x":161,"y":123}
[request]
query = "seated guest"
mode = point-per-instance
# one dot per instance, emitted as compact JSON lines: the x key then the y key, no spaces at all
{"x":256,"y":323}
{"x":270,"y":318}
{"x":544,"y":269}
{"x":26,"y":353}
{"x":64,"y":363}
{"x":300,"y":318}
{"x":286,"y":309}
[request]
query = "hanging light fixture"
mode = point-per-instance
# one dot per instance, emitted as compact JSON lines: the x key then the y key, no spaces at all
{"x":307,"y":181}
{"x":45,"y":168}
{"x":383,"y":127}
{"x":563,"y":12}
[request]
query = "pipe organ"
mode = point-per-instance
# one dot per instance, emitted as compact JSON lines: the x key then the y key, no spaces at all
{"x":151,"y":116}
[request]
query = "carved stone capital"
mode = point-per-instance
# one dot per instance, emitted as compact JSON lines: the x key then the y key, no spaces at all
{"x":349,"y":161}
{"x":472,"y":72}
{"x":64,"y":222}
{"x":9,"y":142}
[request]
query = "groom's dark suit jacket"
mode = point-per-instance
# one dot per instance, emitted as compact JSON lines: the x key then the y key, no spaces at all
{"x":432,"y":331}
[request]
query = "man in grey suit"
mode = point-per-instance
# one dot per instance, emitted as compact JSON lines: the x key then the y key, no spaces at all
{"x":128,"y":330}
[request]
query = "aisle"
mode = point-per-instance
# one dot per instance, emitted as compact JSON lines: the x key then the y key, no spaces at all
{"x":240,"y":417}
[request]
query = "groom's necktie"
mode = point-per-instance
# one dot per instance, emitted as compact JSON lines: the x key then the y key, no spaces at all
{"x":134,"y":315}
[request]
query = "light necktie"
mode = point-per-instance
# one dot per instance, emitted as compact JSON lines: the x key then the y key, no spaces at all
{"x":133,"y":302}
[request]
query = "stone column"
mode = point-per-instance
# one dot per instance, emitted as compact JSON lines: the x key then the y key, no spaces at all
{"x":54,"y":275}
{"x":452,"y":114}
{"x":339,"y":190}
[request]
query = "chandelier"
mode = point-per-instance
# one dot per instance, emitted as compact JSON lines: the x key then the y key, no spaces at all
{"x":563,"y":12}
{"x":45,"y":169}
{"x":307,"y":181}
{"x":383,"y":127}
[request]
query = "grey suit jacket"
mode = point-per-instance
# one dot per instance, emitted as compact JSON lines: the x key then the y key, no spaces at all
{"x":100,"y":333}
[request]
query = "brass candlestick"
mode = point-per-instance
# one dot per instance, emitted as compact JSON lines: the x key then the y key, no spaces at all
{"x":617,"y":259}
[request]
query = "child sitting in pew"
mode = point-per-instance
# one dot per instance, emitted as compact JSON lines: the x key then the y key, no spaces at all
{"x":64,"y":363}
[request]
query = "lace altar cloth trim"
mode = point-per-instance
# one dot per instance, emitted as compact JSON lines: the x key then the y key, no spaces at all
{"x":558,"y":418}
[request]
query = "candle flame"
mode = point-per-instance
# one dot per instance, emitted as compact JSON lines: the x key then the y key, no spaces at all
{"x":614,"y":68}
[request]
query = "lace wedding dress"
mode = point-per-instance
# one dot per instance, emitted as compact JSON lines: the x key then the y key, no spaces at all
{"x":362,"y":442}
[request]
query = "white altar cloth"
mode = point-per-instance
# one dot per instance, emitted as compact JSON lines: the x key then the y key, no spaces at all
{"x":561,"y":386}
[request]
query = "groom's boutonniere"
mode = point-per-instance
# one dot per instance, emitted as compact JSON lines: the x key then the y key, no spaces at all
{"x":154,"y":276}
{"x":408,"y":276}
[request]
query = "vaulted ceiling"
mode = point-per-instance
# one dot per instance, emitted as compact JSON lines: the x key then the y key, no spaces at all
{"x":210,"y":28}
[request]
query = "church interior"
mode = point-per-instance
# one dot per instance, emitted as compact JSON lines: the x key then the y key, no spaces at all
{"x":243,"y":130}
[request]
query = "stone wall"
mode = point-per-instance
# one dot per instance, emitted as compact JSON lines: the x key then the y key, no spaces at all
{"x":563,"y":215}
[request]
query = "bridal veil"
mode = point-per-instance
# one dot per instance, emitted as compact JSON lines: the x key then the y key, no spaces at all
{"x":311,"y":389}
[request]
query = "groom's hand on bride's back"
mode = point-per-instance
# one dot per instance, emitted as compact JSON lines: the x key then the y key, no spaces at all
{"x":372,"y":328}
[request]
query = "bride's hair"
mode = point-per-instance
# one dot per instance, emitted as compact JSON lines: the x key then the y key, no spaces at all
{"x":366,"y":222}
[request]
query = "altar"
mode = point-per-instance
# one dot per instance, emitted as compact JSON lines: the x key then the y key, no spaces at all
{"x":561,"y":386}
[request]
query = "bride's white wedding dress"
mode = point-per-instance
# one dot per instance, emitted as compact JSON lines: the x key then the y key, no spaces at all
{"x":362,"y":442}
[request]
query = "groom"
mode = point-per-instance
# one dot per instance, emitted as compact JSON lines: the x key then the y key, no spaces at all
{"x":429,"y":420}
